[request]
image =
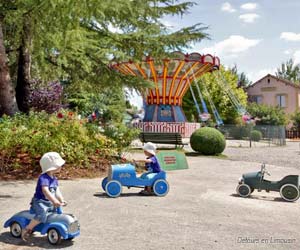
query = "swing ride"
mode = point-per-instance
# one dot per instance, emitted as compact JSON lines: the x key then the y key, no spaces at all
{"x":172,"y":78}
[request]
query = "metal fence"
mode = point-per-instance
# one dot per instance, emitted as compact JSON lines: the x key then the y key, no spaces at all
{"x":292,"y":134}
{"x":269,"y":134}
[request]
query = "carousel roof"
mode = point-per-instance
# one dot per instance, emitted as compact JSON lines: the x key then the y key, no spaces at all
{"x":171,"y":76}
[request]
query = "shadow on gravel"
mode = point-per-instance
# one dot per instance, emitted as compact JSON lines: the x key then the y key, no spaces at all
{"x":5,"y":196}
{"x":197,"y":154}
{"x":264,"y":198}
{"x":40,"y":242}
{"x":104,"y":195}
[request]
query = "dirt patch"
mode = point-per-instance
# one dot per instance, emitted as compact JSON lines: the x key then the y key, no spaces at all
{"x":26,"y":171}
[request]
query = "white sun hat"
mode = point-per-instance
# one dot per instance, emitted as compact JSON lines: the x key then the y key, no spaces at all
{"x":51,"y":161}
{"x":150,"y":148}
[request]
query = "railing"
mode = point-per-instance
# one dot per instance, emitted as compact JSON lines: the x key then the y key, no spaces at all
{"x":270,"y":134}
{"x":292,"y":134}
{"x":184,"y":128}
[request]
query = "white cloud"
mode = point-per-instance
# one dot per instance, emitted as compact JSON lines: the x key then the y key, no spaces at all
{"x":257,"y":75}
{"x":226,"y":7}
{"x":287,"y":52}
{"x":232,"y":46}
{"x":296,"y":57}
{"x":249,"y":18}
{"x":249,"y":6}
{"x":290,"y":36}
{"x":169,"y":25}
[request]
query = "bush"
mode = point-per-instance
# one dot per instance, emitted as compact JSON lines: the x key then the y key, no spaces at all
{"x":46,"y":98}
{"x":208,"y":141}
{"x":32,"y":135}
{"x":255,"y":135}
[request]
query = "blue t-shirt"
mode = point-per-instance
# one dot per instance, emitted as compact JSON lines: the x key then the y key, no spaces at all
{"x":153,"y":166}
{"x":45,"y":180}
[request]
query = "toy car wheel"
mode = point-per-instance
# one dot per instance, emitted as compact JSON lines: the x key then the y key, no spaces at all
{"x":113,"y":188}
{"x":15,"y":230}
{"x":289,"y":192}
{"x":104,"y":182}
{"x":161,"y":187}
{"x":243,"y":190}
{"x":53,"y":236}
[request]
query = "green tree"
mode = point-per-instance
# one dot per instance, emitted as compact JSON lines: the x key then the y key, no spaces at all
{"x":295,"y":118}
{"x":243,"y":80}
{"x":76,"y":40}
{"x":267,"y":115}
{"x":8,"y":103}
{"x":289,"y":71}
{"x":213,"y":86}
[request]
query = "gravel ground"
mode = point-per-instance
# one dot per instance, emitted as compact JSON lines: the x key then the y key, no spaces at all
{"x":201,"y":211}
{"x":284,"y":156}
{"x":238,"y":150}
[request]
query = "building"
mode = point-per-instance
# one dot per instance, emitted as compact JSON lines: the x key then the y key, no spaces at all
{"x":273,"y":91}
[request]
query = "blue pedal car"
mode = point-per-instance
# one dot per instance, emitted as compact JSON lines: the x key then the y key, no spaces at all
{"x":125,"y":175}
{"x":58,"y":225}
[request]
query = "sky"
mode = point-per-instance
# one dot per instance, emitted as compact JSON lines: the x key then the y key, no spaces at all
{"x":256,"y":36}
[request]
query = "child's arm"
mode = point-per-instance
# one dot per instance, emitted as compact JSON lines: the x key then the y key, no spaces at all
{"x":59,"y":195}
{"x":144,"y":161}
{"x":50,"y":197}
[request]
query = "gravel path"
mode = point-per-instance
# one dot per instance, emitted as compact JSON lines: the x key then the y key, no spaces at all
{"x":284,"y":156}
{"x":201,"y":211}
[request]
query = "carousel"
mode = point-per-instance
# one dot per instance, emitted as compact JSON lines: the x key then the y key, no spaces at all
{"x":172,"y":78}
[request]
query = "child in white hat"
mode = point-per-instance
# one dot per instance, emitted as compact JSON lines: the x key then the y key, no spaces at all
{"x":152,"y":165}
{"x":47,"y":195}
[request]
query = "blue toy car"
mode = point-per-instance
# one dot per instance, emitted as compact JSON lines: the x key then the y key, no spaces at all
{"x":125,"y":175}
{"x":58,"y":225}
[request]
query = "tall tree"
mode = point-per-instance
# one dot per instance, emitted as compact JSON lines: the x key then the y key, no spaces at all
{"x":243,"y":80}
{"x":76,"y":40}
{"x":289,"y":71}
{"x":8,"y":104}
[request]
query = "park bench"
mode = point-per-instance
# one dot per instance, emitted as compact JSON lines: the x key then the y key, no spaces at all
{"x":162,"y":138}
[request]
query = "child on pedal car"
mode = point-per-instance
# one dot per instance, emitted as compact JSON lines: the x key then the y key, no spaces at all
{"x":47,"y":194}
{"x":151,"y":164}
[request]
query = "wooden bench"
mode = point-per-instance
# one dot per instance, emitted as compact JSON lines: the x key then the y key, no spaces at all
{"x":162,"y":138}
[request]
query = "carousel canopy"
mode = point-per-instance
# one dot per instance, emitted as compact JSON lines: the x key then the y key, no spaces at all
{"x":170,"y":76}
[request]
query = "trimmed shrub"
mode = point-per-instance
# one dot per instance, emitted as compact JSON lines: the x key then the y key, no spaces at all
{"x":255,"y":135}
{"x":208,"y":141}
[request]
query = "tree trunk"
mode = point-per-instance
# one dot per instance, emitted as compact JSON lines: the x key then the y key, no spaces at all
{"x":24,"y":65}
{"x":8,"y":103}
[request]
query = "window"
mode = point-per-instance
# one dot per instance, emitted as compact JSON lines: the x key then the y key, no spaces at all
{"x":281,"y":101}
{"x":257,"y":99}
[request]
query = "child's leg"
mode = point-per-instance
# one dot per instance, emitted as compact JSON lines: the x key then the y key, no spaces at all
{"x":26,"y":232}
{"x":40,"y":209}
{"x":32,"y":224}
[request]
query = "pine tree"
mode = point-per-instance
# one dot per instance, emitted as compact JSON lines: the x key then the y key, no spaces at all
{"x":76,"y":40}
